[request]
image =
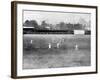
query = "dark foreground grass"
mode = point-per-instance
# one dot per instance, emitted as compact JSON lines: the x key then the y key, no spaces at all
{"x":47,"y":58}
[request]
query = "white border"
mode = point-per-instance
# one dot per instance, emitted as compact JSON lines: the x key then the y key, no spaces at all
{"x":21,"y":72}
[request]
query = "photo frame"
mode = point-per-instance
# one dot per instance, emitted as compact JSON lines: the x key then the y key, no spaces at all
{"x":50,"y":39}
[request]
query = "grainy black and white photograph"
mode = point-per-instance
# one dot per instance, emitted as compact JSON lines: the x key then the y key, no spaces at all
{"x":54,"y":39}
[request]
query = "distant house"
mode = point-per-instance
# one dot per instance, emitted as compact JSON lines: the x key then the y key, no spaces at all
{"x":85,"y":32}
{"x":28,"y":30}
{"x":79,"y":31}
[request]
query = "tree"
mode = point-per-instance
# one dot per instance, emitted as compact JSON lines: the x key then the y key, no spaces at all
{"x":83,"y":22}
{"x":34,"y":24}
{"x":69,"y":26}
{"x":78,"y":26}
{"x":43,"y":25}
{"x":31,"y":23}
{"x":26,"y":23}
{"x":62,"y":26}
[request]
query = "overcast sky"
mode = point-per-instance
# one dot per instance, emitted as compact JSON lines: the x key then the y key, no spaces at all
{"x":56,"y":17}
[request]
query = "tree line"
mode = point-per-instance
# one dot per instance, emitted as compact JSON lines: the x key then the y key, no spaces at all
{"x":47,"y":26}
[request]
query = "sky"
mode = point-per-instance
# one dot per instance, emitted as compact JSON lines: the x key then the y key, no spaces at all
{"x":56,"y":17}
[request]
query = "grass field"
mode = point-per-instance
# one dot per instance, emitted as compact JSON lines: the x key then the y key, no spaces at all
{"x":38,"y":55}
